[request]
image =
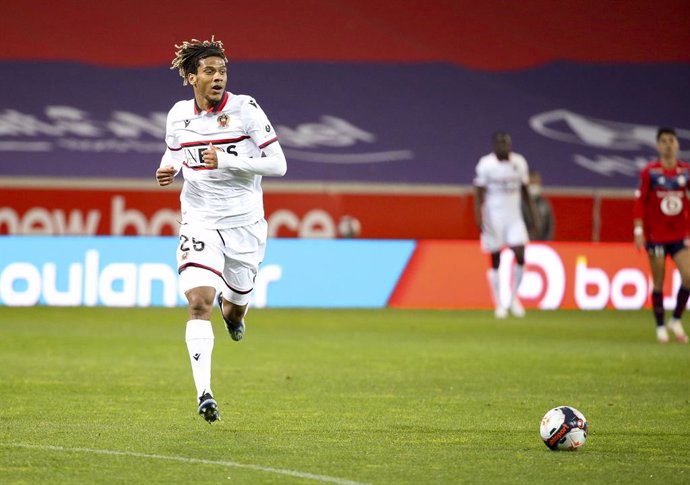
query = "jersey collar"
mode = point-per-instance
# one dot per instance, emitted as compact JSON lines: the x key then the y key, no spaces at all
{"x":213,"y":109}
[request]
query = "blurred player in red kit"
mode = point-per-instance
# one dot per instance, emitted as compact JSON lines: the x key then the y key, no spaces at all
{"x":662,"y":226}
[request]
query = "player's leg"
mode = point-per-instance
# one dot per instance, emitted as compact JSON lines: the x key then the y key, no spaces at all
{"x":200,"y":339}
{"x":516,"y":307}
{"x":199,"y":260}
{"x":491,"y":242}
{"x":245,"y":248}
{"x":682,"y":260}
{"x":233,"y":307}
{"x":517,"y":237}
{"x":500,"y":310}
{"x":657,"y":265}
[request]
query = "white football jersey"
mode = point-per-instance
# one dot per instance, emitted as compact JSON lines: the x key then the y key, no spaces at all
{"x":503,"y":181}
{"x":215,"y":198}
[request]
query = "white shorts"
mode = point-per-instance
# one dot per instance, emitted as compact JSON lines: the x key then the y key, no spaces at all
{"x":226,"y":259}
{"x":499,"y":233}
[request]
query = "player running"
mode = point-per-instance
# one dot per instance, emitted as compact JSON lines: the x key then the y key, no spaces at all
{"x":662,"y":218}
{"x":223,"y":143}
{"x":501,"y":182}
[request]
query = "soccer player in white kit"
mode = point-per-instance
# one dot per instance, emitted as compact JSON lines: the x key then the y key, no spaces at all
{"x":223,"y":143}
{"x":501,"y":183}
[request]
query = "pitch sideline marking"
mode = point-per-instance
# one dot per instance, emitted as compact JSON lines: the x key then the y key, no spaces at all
{"x":279,"y":471}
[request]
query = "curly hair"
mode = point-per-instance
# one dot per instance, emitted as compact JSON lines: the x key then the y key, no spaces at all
{"x":189,"y":54}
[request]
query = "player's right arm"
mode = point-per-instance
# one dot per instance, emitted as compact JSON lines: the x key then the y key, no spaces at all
{"x":641,"y":196}
{"x":165,"y":174}
{"x":480,"y":181}
{"x":171,"y":162}
{"x":479,"y":193}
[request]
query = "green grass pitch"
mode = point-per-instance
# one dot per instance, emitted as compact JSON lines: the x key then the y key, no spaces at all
{"x":99,"y":395}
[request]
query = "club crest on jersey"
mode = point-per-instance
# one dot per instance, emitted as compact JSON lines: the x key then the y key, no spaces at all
{"x":223,"y":120}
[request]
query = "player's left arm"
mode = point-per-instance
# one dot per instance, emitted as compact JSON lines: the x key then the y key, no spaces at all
{"x":272,"y":160}
{"x":535,"y":219}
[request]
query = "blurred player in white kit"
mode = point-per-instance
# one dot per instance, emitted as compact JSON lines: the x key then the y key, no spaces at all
{"x":501,"y":186}
{"x":223,"y":143}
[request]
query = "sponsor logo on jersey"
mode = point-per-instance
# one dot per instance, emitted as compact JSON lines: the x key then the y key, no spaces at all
{"x":671,"y":205}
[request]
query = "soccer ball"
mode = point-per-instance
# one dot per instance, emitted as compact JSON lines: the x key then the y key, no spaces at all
{"x":564,"y":428}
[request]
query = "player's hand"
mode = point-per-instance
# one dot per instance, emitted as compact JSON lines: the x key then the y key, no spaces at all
{"x":210,"y":157}
{"x":639,"y":241}
{"x":165,"y":175}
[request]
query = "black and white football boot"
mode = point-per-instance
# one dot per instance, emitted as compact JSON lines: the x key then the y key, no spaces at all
{"x":236,"y":331}
{"x":208,"y":408}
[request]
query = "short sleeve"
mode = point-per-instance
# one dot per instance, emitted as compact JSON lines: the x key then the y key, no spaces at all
{"x":524,"y":170}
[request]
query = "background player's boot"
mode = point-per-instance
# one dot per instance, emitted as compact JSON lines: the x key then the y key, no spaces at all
{"x":661,"y":334}
{"x":236,"y":331}
{"x":500,"y":312}
{"x":517,"y":309}
{"x":208,"y":408}
{"x":677,"y":328}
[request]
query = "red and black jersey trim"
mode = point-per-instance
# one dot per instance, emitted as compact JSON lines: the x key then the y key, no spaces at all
{"x":197,"y":168}
{"x":192,"y":144}
{"x":174,"y":149}
{"x":266,"y":143}
{"x":217,"y":273}
{"x":213,"y":109}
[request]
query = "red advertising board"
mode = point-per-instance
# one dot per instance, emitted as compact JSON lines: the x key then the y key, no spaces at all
{"x":586,"y":276}
{"x":57,"y":211}
{"x":384,"y":213}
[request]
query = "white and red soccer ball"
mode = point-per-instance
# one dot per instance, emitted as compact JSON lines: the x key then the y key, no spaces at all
{"x":564,"y":428}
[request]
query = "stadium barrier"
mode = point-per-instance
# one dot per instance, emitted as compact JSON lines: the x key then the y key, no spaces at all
{"x":304,"y":211}
{"x":427,"y":274}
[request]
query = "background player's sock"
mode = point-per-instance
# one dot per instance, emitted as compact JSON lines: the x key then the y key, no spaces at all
{"x":681,"y":302}
{"x":495,"y":286}
{"x":199,"y":337}
{"x":658,"y":307}
{"x":517,"y":279}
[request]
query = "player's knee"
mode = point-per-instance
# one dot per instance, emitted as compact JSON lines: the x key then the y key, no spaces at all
{"x":200,"y":304}
{"x":685,"y":280}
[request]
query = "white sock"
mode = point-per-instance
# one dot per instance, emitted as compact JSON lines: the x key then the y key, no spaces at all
{"x":517,"y":279}
{"x":495,"y":286}
{"x":199,"y":337}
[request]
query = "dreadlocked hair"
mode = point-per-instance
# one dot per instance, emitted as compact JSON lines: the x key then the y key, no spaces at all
{"x":189,"y":54}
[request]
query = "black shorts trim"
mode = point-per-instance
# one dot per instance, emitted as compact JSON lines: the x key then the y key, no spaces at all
{"x":667,"y":248}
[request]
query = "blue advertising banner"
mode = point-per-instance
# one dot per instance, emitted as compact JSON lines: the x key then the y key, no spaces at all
{"x":581,"y":125}
{"x":141,"y":271}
